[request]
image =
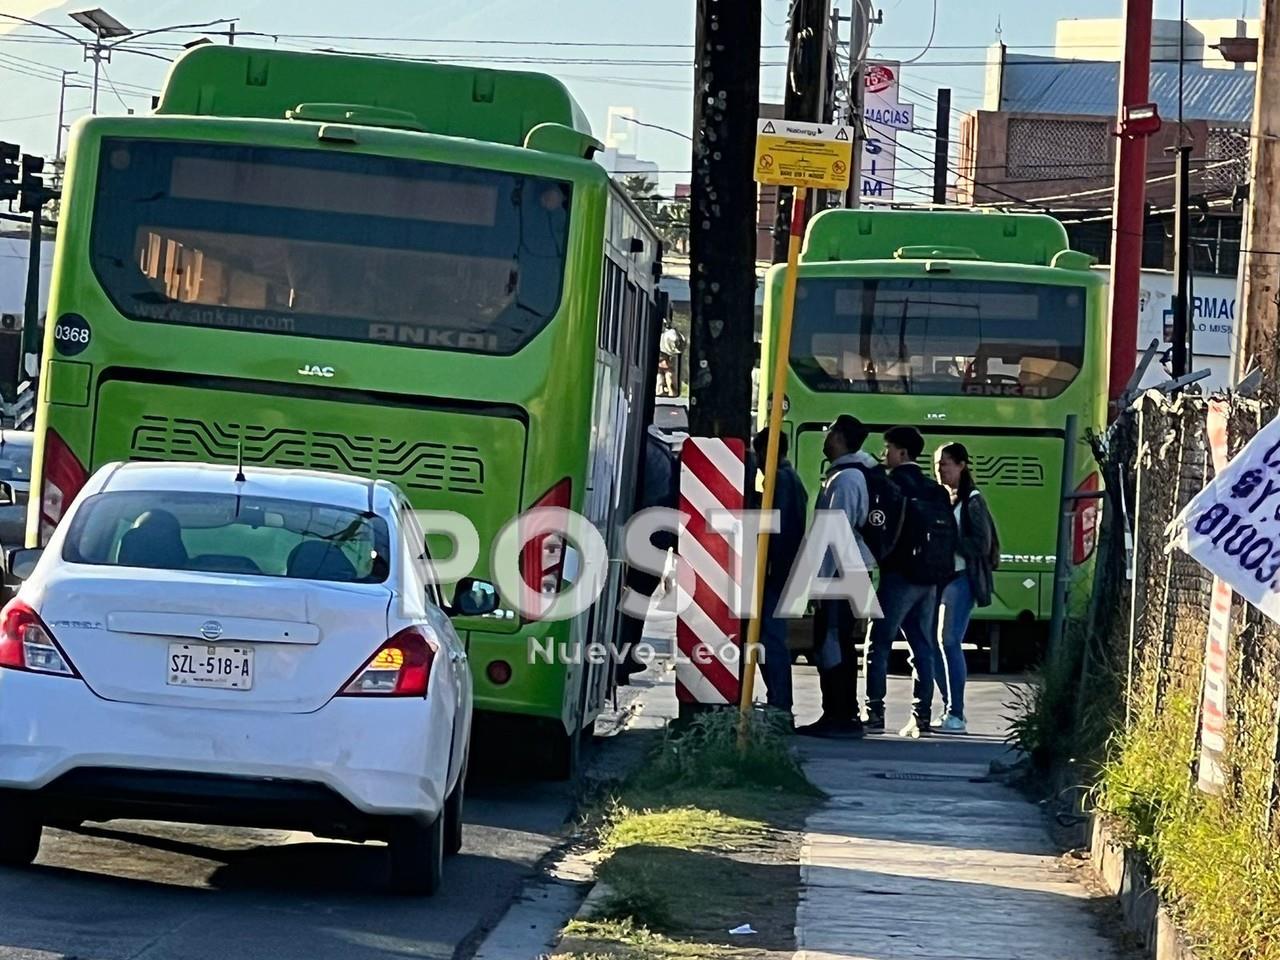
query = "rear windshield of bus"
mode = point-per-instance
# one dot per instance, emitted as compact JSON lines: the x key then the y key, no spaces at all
{"x":325,"y":244}
{"x":938,"y":337}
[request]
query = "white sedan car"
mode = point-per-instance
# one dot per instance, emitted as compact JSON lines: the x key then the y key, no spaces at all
{"x":263,"y":649}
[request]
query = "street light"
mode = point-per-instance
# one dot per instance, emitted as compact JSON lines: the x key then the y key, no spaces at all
{"x":105,"y":27}
{"x":100,"y":23}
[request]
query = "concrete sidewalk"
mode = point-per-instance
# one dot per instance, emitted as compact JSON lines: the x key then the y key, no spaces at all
{"x":917,"y":856}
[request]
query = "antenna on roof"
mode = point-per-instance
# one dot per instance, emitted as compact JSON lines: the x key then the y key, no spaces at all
{"x":240,"y":461}
{"x":999,"y":30}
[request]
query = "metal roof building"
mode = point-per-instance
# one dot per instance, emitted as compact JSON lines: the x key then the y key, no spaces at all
{"x":1032,"y":84}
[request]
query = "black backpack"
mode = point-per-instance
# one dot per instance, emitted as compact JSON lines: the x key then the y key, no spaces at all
{"x":927,"y":547}
{"x":886,"y":510}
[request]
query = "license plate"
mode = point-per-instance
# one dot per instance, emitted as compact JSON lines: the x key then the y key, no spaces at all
{"x":200,"y":665}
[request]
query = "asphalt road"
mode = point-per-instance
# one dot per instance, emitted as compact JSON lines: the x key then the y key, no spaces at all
{"x":146,"y":891}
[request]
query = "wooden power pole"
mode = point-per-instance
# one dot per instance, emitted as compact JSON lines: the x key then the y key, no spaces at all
{"x":722,"y":217}
{"x":1257,"y":327}
{"x":806,"y":94}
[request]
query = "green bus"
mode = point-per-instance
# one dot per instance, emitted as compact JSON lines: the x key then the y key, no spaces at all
{"x":983,"y":328}
{"x":404,"y":270}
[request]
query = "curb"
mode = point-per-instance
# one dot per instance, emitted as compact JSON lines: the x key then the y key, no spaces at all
{"x":546,"y":902}
{"x":1127,"y":876}
{"x":590,"y":905}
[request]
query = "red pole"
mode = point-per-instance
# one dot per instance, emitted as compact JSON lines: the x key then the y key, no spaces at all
{"x":1129,"y":210}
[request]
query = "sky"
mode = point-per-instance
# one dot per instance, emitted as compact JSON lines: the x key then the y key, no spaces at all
{"x":639,"y":56}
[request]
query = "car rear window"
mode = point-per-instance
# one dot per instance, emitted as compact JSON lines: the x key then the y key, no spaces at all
{"x":224,"y":533}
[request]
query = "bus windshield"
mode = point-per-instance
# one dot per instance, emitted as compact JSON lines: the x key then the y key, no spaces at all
{"x":938,"y":337}
{"x":343,"y":246}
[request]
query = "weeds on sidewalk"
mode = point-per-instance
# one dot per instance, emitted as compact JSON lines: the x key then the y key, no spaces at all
{"x":702,"y":838}
{"x":1051,"y":721}
{"x":1209,"y":855}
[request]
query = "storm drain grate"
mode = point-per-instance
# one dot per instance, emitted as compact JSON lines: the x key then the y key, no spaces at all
{"x":932,"y":777}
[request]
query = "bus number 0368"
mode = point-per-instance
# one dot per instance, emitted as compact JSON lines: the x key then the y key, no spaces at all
{"x":71,"y":334}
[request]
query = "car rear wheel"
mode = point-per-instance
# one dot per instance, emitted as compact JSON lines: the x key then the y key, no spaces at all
{"x":20,"y":834}
{"x":417,"y":855}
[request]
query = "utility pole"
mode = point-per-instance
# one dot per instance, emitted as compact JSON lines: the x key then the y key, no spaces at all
{"x":1257,"y":331}
{"x":62,"y":111}
{"x":942,"y":146}
{"x":1181,"y":263}
{"x":722,"y":216}
{"x":806,"y":96}
{"x":859,"y":40}
{"x":1137,"y":119}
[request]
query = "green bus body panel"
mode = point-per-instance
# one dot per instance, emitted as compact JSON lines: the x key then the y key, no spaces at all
{"x":835,"y":235}
{"x":500,"y":106}
{"x":1017,"y":441}
{"x":442,"y":460}
{"x":403,"y":394}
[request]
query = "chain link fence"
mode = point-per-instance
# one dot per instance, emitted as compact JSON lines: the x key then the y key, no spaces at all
{"x":1162,"y":653}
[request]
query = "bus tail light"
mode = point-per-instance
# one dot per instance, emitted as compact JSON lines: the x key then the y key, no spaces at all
{"x":542,"y":561}
{"x":1085,"y":525}
{"x":400,"y":668}
{"x":64,"y":475}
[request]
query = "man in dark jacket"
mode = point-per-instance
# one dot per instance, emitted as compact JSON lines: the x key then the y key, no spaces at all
{"x":906,"y":606}
{"x":789,"y":499}
{"x":659,"y":487}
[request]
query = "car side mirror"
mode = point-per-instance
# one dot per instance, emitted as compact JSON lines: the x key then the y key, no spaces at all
{"x":474,"y":598}
{"x":20,"y":562}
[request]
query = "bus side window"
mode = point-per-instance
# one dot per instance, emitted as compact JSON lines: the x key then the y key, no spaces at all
{"x":606,"y":304}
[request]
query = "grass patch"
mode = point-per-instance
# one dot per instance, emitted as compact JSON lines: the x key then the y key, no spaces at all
{"x":706,"y":754}
{"x":702,"y":838}
{"x":1210,"y":856}
{"x":624,"y":940}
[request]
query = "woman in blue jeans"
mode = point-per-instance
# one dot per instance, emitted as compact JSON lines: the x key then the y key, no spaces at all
{"x":970,"y":586}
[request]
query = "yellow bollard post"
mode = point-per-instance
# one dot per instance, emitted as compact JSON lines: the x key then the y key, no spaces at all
{"x":781,"y":363}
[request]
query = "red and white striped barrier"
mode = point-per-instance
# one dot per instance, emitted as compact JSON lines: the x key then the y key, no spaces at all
{"x":708,"y":635}
{"x":1213,"y":703}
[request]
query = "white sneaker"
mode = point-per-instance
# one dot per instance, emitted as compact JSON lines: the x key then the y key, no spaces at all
{"x":915,"y":729}
{"x":953,"y":724}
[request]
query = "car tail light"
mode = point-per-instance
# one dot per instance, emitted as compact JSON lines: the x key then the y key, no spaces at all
{"x":1085,"y":522}
{"x":27,"y":644}
{"x":542,"y":559}
{"x":63,"y":475}
{"x":400,"y":668}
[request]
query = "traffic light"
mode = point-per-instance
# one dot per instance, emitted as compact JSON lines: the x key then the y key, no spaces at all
{"x":8,"y":171}
{"x":32,"y":194}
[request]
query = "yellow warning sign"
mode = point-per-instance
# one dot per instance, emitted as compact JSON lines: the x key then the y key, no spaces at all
{"x":790,"y":153}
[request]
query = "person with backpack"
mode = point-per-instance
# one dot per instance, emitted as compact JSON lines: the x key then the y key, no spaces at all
{"x":789,"y":499}
{"x":837,"y":627}
{"x":977,"y":555}
{"x":921,"y":558}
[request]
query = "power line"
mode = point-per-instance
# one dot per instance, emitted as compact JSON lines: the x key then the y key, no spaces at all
{"x":107,"y":77}
{"x":933,"y":31}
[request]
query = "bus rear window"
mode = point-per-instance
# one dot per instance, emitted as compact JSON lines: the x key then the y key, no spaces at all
{"x":340,"y":246}
{"x":938,"y":337}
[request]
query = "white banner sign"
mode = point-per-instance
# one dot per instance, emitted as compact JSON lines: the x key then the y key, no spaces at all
{"x":1232,"y":527}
